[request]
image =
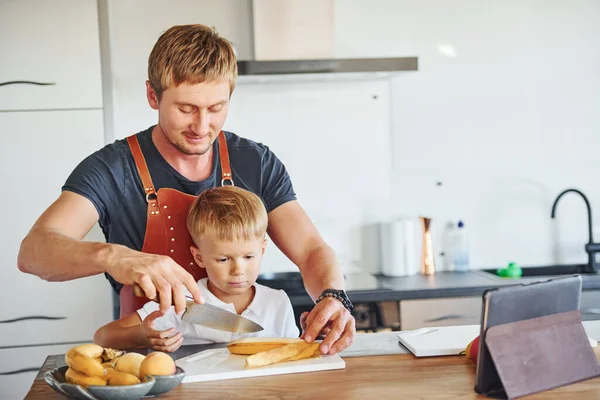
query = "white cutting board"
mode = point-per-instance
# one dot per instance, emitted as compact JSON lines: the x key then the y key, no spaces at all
{"x":216,"y":364}
{"x":439,"y":341}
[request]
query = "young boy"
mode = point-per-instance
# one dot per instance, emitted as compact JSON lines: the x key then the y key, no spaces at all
{"x":228,"y":226}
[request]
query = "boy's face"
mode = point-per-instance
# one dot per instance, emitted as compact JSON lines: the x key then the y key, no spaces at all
{"x":192,"y":115}
{"x":232,"y":267}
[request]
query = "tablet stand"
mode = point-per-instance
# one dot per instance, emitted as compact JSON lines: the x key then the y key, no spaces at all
{"x":540,"y":354}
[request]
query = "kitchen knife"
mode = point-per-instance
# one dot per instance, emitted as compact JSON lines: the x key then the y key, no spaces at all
{"x":210,"y":316}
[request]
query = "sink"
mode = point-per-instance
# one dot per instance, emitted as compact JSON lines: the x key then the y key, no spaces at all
{"x":548,"y":270}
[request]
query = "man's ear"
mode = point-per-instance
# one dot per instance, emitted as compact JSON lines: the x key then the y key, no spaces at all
{"x":152,"y":96}
{"x":197,"y":256}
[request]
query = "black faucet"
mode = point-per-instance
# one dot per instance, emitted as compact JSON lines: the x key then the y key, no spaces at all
{"x":591,"y":248}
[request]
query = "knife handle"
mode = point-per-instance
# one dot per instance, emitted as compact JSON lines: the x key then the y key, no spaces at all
{"x":139,"y":292}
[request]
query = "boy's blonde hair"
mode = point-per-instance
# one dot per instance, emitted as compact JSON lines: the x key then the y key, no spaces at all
{"x":191,"y":54}
{"x":228,"y":214}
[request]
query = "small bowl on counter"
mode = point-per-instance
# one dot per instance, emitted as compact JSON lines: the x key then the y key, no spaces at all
{"x":166,"y":383}
{"x":152,"y":386}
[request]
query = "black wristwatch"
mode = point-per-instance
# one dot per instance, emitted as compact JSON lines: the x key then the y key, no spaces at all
{"x":338,"y":295}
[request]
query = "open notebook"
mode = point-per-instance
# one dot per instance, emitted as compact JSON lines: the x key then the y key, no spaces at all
{"x":442,"y":341}
{"x":438,"y":341}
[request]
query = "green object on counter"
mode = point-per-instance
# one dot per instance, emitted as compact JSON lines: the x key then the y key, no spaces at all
{"x":512,"y":271}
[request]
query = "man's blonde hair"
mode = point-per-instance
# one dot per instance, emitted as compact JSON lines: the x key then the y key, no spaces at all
{"x":228,"y":214}
{"x":191,"y":54}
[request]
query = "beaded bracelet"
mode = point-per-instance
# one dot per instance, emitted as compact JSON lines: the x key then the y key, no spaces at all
{"x":338,"y":295}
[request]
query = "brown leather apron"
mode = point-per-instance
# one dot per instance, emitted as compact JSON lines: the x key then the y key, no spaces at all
{"x":166,"y":230}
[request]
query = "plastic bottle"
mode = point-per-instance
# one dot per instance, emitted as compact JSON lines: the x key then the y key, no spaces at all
{"x":460,"y":248}
{"x":448,"y":245}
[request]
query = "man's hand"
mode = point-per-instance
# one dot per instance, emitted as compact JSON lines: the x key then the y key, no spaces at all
{"x":330,"y":318}
{"x":167,"y":341}
{"x":157,"y":275}
{"x":297,"y":237}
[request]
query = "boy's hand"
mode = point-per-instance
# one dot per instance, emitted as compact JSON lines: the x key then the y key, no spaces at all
{"x":167,"y":341}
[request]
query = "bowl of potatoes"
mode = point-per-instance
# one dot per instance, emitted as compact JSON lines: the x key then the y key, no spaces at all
{"x":96,"y":373}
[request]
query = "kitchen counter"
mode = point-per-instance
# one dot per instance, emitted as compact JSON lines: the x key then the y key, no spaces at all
{"x":376,"y":367}
{"x":363,"y":287}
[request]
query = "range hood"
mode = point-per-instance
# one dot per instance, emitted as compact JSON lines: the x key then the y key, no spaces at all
{"x":297,"y":37}
{"x":327,"y":66}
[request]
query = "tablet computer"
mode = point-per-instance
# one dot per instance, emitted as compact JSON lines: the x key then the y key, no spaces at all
{"x":513,"y":303}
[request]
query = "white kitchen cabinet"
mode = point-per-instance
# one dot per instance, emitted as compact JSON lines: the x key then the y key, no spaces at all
{"x":49,"y":42}
{"x":415,"y":314}
{"x":38,"y":152}
{"x":19,"y":367}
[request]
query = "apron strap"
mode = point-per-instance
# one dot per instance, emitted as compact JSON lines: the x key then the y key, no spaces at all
{"x":142,"y":167}
{"x":224,"y":157}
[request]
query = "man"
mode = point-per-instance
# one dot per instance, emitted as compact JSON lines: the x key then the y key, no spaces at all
{"x":139,"y":190}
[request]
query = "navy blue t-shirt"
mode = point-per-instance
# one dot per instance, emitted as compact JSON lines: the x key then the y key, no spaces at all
{"x":109,"y":179}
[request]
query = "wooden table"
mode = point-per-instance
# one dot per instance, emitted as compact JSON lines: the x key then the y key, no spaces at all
{"x":399,"y":376}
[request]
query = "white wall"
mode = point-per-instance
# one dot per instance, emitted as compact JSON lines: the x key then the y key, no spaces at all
{"x":503,"y":111}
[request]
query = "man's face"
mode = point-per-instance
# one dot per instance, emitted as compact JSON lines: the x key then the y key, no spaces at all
{"x":191,"y":116}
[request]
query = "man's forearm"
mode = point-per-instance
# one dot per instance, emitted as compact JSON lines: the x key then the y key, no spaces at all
{"x":56,"y":257}
{"x":321,"y":271}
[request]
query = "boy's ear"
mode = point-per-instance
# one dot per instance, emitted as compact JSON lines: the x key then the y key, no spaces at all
{"x":264,"y":246}
{"x":197,"y":256}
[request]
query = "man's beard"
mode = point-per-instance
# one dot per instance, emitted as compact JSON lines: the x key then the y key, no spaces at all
{"x":181,"y":146}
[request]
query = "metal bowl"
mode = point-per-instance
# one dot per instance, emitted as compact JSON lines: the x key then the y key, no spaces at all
{"x":56,"y":380}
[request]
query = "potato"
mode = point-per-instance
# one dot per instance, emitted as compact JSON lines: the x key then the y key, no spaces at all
{"x":157,"y":363}
{"x":118,"y":378}
{"x":311,"y":350}
{"x":110,"y":355}
{"x":277,"y":355}
{"x":129,"y":363}
{"x":78,"y":378}
{"x":251,"y":346}
{"x":83,"y":364}
{"x":89,"y":350}
{"x":108,"y":365}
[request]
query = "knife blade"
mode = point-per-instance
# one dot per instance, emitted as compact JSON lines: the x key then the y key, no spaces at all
{"x":210,"y":316}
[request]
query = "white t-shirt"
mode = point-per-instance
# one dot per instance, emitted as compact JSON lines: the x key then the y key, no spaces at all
{"x":270,"y":308}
